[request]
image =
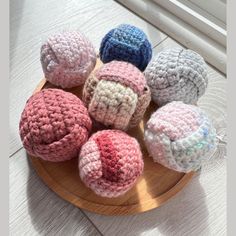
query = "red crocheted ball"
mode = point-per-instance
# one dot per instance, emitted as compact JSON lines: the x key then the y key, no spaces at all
{"x":110,"y":163}
{"x":54,"y":124}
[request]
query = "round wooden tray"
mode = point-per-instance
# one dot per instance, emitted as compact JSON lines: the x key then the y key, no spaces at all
{"x":156,"y":185}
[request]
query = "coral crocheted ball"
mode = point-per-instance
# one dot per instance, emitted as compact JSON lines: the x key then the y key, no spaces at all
{"x":110,"y":163}
{"x":177,"y":75}
{"x":67,"y":59}
{"x":180,"y":136}
{"x":126,"y":43}
{"x":54,"y":124}
{"x":117,"y":95}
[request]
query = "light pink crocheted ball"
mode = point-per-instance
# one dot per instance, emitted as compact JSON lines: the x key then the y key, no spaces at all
{"x":54,"y":124}
{"x":110,"y":163}
{"x":180,"y":136}
{"x":67,"y":59}
{"x":117,"y":95}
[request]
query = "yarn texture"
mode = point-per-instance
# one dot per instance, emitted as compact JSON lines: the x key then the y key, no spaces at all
{"x":54,"y":124}
{"x":126,"y":43}
{"x":67,"y":59}
{"x":110,"y":163}
{"x":117,"y":95}
{"x":177,"y":74}
{"x":180,"y":136}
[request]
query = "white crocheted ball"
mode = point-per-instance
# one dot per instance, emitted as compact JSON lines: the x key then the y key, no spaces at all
{"x":177,"y":74}
{"x":180,"y":136}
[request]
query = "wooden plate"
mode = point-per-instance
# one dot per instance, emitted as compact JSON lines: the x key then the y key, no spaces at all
{"x":154,"y":187}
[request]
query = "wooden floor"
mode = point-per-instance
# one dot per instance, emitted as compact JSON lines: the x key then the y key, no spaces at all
{"x":200,"y":209}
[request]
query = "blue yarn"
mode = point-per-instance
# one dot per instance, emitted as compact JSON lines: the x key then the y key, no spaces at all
{"x":126,"y":43}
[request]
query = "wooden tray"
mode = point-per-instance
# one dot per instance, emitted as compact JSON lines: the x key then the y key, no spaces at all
{"x":156,"y":185}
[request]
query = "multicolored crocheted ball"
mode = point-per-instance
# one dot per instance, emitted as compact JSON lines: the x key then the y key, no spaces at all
{"x":67,"y":59}
{"x":110,"y":163}
{"x":126,"y":43}
{"x":177,"y":74}
{"x":54,"y":124}
{"x":180,"y":136}
{"x":117,"y":95}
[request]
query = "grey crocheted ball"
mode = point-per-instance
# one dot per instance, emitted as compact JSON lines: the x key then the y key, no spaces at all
{"x":67,"y":59}
{"x":177,"y":74}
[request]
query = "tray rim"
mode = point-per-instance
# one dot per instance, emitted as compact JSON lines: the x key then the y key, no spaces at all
{"x":99,"y":208}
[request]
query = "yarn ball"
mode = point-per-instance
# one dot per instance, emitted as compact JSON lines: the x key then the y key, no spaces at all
{"x":177,"y":74}
{"x":117,"y":95}
{"x":110,"y":163}
{"x":126,"y":43}
{"x":67,"y":59}
{"x":54,"y":124}
{"x":180,"y":136}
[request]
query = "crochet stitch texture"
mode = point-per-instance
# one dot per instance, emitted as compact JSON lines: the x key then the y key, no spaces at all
{"x":179,"y":136}
{"x":54,"y":124}
{"x":176,"y":74}
{"x":117,"y":95}
{"x":110,"y":163}
{"x":67,"y":59}
{"x":126,"y":43}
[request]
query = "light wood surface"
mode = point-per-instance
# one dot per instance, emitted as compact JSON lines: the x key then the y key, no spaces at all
{"x":199,"y":209}
{"x":154,"y":187}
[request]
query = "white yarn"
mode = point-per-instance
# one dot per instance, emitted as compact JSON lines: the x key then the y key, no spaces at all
{"x":177,"y":74}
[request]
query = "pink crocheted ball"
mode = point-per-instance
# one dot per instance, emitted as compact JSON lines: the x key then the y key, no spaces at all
{"x":67,"y":59}
{"x":180,"y":136}
{"x":54,"y":124}
{"x":117,"y":95}
{"x":110,"y":163}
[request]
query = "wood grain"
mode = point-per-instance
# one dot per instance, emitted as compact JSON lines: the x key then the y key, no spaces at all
{"x":36,"y":210}
{"x":156,"y":185}
{"x":33,"y":21}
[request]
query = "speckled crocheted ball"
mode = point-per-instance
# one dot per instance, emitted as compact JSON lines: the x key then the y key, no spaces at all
{"x":177,"y":74}
{"x":180,"y":136}
{"x":126,"y":43}
{"x":117,"y":95}
{"x":54,"y":124}
{"x":110,"y":163}
{"x":67,"y":59}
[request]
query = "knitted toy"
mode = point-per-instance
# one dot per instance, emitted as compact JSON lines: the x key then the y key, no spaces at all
{"x":67,"y":59}
{"x":177,"y":75}
{"x":117,"y":95}
{"x":54,"y":124}
{"x":179,"y":136}
{"x":110,"y":163}
{"x":126,"y":43}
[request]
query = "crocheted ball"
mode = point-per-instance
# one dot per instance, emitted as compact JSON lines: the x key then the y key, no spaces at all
{"x":126,"y":43}
{"x":117,"y":95}
{"x":177,"y":75}
{"x":110,"y":163}
{"x":54,"y":124}
{"x":67,"y":59}
{"x":180,"y":136}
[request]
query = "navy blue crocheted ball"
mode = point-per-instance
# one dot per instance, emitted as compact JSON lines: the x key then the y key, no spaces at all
{"x":126,"y":43}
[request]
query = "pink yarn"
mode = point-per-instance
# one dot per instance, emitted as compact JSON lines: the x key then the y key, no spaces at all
{"x":67,"y":59}
{"x":117,"y":95}
{"x":54,"y":124}
{"x":180,"y":136}
{"x":110,"y":163}
{"x":124,"y":73}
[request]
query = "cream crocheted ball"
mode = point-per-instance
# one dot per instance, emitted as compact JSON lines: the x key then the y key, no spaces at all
{"x":67,"y":59}
{"x":177,"y":74}
{"x":110,"y":163}
{"x":180,"y":136}
{"x":117,"y":95}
